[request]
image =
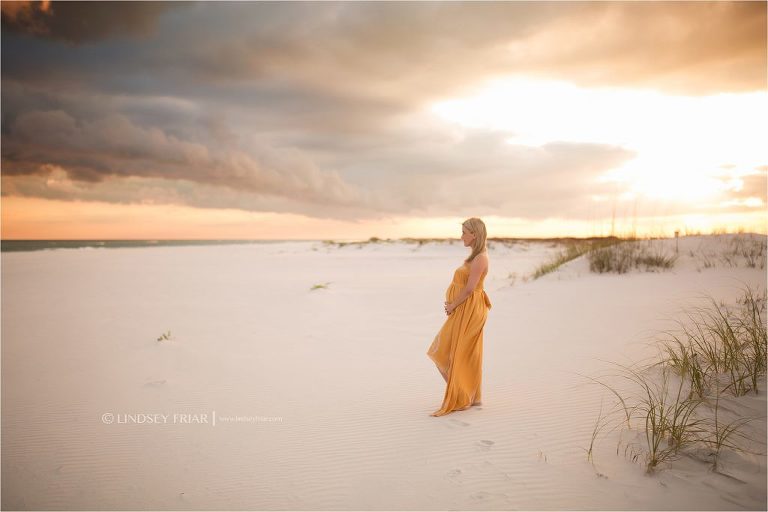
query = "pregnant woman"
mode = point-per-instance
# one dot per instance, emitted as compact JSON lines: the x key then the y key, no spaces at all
{"x":457,"y":350}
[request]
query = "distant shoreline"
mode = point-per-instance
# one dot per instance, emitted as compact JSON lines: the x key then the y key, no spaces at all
{"x":35,"y":245}
{"x":38,"y":245}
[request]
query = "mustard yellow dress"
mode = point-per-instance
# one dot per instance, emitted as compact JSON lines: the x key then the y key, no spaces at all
{"x":457,"y":349}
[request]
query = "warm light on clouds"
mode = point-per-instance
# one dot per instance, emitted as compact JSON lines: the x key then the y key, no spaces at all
{"x":32,"y":218}
{"x":391,"y":119}
{"x":24,"y":218}
{"x":688,"y":148}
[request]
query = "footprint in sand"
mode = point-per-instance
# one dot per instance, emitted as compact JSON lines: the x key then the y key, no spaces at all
{"x":485,"y":496}
{"x":459,"y":422}
{"x":484,"y":445}
{"x":454,"y":476}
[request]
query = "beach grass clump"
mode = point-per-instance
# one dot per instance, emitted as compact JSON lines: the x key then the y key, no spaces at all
{"x":359,"y":243}
{"x":719,"y":350}
{"x":742,"y":250}
{"x":573,"y":250}
{"x":668,"y":419}
{"x":752,"y":324}
{"x":423,"y":241}
{"x":722,"y":433}
{"x":686,"y":362}
{"x":666,"y":413}
{"x":751,"y":250}
{"x":629,"y":254}
{"x":656,"y":260}
{"x":611,"y":255}
{"x":721,"y":343}
{"x":616,"y":258}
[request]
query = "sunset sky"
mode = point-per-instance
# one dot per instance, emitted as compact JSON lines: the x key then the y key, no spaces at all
{"x":318,"y":120}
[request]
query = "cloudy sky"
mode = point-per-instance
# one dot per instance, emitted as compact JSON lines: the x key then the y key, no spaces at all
{"x":289,"y":120}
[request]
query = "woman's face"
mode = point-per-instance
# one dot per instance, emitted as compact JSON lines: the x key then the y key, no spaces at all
{"x":467,"y":237}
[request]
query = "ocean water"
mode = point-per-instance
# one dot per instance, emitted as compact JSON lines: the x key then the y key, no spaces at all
{"x":38,"y":245}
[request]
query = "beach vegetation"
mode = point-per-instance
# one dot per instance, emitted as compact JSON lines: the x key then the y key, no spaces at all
{"x":673,"y":404}
{"x":721,"y":342}
{"x":572,"y":250}
{"x":623,"y":257}
{"x":742,"y":250}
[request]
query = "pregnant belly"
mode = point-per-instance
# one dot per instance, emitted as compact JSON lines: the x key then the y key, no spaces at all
{"x":452,"y":292}
{"x":454,"y":289}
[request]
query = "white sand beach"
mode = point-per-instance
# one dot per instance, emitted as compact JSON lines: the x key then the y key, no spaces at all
{"x":319,"y":399}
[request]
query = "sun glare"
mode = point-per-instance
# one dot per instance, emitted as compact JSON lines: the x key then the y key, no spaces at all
{"x":688,"y":148}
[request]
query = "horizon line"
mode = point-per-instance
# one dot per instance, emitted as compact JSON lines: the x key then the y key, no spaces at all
{"x":373,"y":238}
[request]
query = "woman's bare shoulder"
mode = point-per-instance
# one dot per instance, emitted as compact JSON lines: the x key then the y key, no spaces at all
{"x":481,"y":261}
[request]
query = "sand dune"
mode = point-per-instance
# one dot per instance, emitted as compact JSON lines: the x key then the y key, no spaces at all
{"x":321,"y":397}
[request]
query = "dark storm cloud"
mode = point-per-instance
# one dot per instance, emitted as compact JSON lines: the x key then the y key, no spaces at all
{"x":423,"y":49}
{"x":80,"y":22}
{"x":110,"y":146}
{"x":420,"y":50}
{"x":506,"y":179}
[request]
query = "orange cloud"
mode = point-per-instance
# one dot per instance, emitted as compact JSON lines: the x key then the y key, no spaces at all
{"x":82,"y":21}
{"x":26,"y":14}
{"x":22,"y":9}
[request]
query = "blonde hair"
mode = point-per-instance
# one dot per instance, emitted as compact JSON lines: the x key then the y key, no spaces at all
{"x":477,"y":228}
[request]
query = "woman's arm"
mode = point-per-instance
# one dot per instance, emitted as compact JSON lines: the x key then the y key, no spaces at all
{"x":476,"y":269}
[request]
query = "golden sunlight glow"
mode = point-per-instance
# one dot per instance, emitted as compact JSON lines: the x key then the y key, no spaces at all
{"x":688,"y":148}
{"x":34,"y":218}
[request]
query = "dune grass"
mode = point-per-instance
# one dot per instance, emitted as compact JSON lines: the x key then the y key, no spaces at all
{"x":665,"y":413}
{"x":164,"y":336}
{"x":718,"y":350}
{"x":721,"y":342}
{"x":573,"y":250}
{"x":610,"y":255}
{"x":360,"y":243}
{"x":751,"y":250}
{"x":743,"y":250}
{"x":600,"y":424}
{"x":722,"y":434}
{"x":622,"y":257}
